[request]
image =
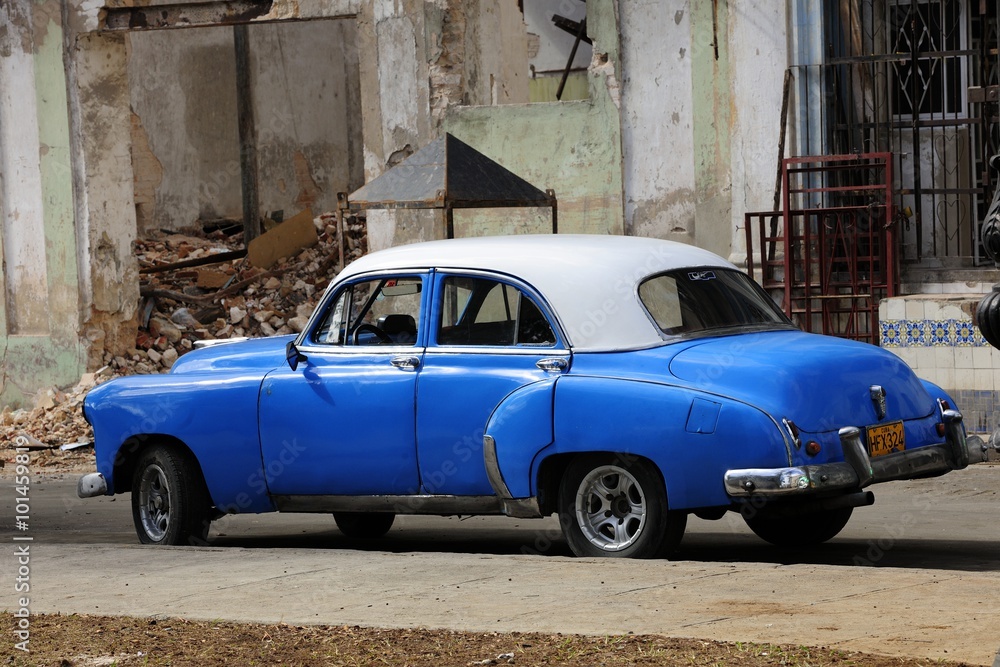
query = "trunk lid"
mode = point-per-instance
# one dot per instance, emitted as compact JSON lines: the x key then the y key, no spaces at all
{"x":819,"y":382}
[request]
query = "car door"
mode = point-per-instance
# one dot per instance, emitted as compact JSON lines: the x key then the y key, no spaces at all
{"x":489,"y":336}
{"x":342,"y":422}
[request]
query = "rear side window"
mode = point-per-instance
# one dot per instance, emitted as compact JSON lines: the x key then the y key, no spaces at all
{"x":701,"y":300}
{"x":480,"y":311}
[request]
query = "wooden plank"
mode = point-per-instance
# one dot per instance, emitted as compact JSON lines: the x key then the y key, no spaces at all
{"x":285,"y":240}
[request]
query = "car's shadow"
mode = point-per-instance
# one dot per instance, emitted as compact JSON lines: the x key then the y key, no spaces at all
{"x":703,"y":545}
{"x":108,"y":521}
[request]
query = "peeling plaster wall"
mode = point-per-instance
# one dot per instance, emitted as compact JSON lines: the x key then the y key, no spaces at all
{"x":185,"y":139}
{"x":104,"y":203}
{"x":20,"y":175}
{"x":39,"y":313}
{"x":308,"y":113}
{"x":571,"y":147}
{"x":658,"y":119}
{"x":700,"y":117}
{"x":182,"y":88}
{"x":306,"y":94}
{"x":758,"y":47}
{"x":496,"y":40}
{"x":419,"y":60}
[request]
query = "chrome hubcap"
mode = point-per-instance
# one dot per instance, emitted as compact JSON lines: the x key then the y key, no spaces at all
{"x":610,"y":508}
{"x":154,"y":502}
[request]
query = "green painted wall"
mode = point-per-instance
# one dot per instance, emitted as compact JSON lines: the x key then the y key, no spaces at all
{"x":572,"y":147}
{"x":36,"y":362}
{"x":543,"y":88}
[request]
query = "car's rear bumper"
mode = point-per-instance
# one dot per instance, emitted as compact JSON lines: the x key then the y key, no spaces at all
{"x":858,"y":470}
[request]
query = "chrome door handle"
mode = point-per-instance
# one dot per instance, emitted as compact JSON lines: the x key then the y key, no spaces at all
{"x":552,"y":364}
{"x":406,"y":363}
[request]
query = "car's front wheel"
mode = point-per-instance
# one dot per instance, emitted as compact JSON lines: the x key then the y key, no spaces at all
{"x":615,"y":508}
{"x":170,"y":504}
{"x":801,"y":530}
{"x":366,"y":525}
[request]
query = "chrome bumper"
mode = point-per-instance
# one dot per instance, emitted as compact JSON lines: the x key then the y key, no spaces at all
{"x":92,"y":485}
{"x":858,"y":470}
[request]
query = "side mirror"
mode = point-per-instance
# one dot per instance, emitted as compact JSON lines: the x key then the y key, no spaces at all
{"x":293,"y":356}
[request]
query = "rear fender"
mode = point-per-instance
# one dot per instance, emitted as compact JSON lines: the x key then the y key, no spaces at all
{"x":691,"y":436}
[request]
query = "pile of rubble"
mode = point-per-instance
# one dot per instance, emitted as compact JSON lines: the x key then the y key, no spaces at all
{"x":193,"y":286}
{"x":53,"y":431}
{"x":231,"y":298}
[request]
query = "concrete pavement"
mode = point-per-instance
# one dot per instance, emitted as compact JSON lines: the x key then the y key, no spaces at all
{"x":916,"y":575}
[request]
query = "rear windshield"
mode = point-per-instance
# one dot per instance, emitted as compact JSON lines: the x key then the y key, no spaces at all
{"x":692,"y":301}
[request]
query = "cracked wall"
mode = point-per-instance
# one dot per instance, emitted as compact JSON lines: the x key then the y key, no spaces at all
{"x":39,"y":312}
{"x":572,"y":147}
{"x":306,"y":100}
{"x":700,"y":118}
{"x":421,"y":59}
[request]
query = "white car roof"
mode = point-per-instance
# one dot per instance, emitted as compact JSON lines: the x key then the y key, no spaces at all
{"x":589,"y":281}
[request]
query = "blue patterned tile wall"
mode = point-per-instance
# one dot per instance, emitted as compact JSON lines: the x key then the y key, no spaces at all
{"x":930,"y":333}
{"x":935,"y":336}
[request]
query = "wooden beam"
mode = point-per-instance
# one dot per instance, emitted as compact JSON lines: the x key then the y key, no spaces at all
{"x":248,"y":135}
{"x":185,"y":15}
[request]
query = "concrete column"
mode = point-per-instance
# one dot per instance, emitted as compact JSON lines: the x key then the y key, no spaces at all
{"x":23,"y":228}
{"x":658,"y":119}
{"x":105,"y":207}
{"x":758,"y":52}
{"x":395,"y":105}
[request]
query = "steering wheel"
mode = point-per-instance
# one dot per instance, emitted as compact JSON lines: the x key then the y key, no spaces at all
{"x":383,"y":337}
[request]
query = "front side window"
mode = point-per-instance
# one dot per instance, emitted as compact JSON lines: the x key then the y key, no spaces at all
{"x":701,"y":300}
{"x":481,"y":311}
{"x":382,"y":311}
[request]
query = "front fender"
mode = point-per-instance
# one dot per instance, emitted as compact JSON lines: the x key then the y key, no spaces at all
{"x":214,"y":415}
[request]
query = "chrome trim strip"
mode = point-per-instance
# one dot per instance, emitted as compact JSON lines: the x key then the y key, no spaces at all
{"x":334,"y":350}
{"x":791,"y":432}
{"x":954,"y":435}
{"x":521,"y":508}
{"x":415,"y":504}
{"x":498,"y":349}
{"x":212,"y":342}
{"x":493,"y":468}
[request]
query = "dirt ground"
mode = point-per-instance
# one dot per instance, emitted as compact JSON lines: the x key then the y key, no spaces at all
{"x":98,"y":641}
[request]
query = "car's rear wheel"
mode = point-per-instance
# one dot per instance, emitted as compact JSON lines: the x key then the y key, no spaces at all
{"x":617,"y":509}
{"x":365,"y":525}
{"x":802,"y":530}
{"x":170,"y":504}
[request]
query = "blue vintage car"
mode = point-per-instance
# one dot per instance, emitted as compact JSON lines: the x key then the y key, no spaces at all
{"x":623,"y":383}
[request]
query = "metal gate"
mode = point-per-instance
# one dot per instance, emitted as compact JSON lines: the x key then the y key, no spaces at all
{"x":918,"y":79}
{"x":829,"y":266}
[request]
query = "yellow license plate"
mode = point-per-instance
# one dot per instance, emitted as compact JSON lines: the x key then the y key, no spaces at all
{"x":886,"y":439}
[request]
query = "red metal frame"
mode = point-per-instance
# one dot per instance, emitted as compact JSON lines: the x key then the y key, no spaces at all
{"x":837,"y":261}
